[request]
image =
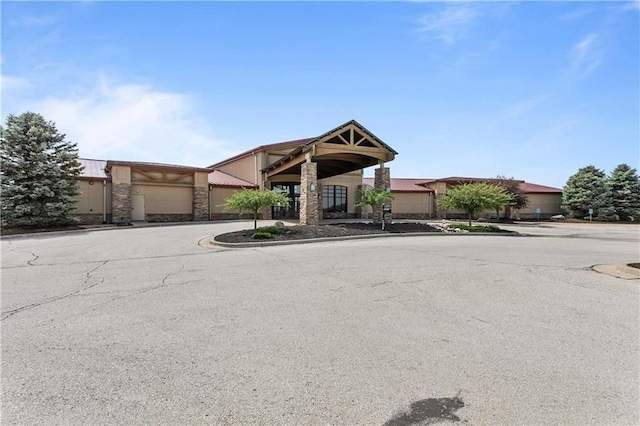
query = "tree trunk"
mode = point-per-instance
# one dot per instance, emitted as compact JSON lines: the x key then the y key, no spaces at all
{"x":255,"y":220}
{"x":470,"y":214}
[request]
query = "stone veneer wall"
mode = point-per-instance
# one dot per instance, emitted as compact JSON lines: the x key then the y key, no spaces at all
{"x":90,"y":219}
{"x":309,"y":198}
{"x":382,"y":180}
{"x":121,"y":203}
{"x":168,"y":217}
{"x":416,"y":216}
{"x":236,"y":216}
{"x":200,"y":203}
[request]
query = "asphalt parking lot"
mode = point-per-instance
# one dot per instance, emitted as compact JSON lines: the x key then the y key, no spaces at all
{"x":145,"y":326}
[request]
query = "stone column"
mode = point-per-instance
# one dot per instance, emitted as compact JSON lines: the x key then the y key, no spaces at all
{"x":267,"y":211}
{"x":309,"y":194}
{"x":382,"y":180}
{"x":120,"y":195}
{"x":200,"y":196}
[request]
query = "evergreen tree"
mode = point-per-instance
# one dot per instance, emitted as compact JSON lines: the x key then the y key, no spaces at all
{"x":587,"y":189}
{"x":38,"y":171}
{"x":625,"y":191}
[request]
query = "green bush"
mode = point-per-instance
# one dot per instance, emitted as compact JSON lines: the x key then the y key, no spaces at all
{"x":273,"y":230}
{"x":260,"y":235}
{"x":475,"y":228}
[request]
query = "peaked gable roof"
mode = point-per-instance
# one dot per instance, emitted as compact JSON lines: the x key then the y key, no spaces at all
{"x":305,"y":146}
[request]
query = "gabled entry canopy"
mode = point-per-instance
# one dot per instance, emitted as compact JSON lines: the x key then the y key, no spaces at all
{"x":344,"y":149}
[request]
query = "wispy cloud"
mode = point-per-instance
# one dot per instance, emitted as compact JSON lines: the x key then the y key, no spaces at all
{"x":576,"y":14}
{"x":586,"y":55}
{"x":134,"y":122}
{"x":8,"y":83}
{"x":631,"y":5}
{"x":450,"y":24}
{"x":32,"y":21}
{"x":525,"y":106}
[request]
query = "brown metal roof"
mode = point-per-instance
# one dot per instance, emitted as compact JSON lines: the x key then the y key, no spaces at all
{"x":532,"y":188}
{"x":402,"y":185}
{"x":456,"y":179}
{"x":221,"y":179}
{"x":273,"y":146}
{"x":160,"y":166}
{"x":93,"y":169}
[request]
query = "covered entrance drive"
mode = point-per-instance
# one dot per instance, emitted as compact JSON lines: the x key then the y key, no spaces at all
{"x":347,"y":148}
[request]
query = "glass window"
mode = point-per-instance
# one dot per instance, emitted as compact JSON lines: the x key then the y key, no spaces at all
{"x":334,"y":198}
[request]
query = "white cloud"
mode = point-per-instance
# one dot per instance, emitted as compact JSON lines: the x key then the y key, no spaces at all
{"x":586,"y":55}
{"x":450,"y":24}
{"x":32,"y":21}
{"x":8,"y":83}
{"x":524,"y":106}
{"x":633,"y":5}
{"x":134,"y":122}
{"x":576,"y":14}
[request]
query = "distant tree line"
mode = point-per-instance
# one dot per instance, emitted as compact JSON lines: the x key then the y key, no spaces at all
{"x":613,"y":197}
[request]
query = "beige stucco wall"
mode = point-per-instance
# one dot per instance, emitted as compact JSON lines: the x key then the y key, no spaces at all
{"x":548,"y":204}
{"x":120,"y":174}
{"x":90,"y":200}
{"x":351,"y":180}
{"x":218,"y":196}
{"x":412,"y":203}
{"x":243,"y":168}
{"x":161,"y":199}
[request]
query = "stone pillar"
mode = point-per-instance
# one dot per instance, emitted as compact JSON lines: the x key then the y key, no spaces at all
{"x":120,"y":195}
{"x":309,"y":194}
{"x":200,"y":196}
{"x":382,"y":180}
{"x":267,"y":212}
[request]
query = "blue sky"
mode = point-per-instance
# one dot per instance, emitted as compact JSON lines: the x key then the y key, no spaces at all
{"x":533,"y":90}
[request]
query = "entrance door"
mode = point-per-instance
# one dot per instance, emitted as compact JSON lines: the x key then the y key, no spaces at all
{"x":137,"y":207}
{"x":292,"y":191}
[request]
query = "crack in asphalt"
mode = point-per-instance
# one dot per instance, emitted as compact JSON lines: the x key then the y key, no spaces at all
{"x":162,"y":284}
{"x":35,"y":257}
{"x":172,"y":256}
{"x":10,"y":313}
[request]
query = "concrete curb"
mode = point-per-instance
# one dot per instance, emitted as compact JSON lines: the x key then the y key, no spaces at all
{"x":109,"y":228}
{"x":619,"y":271}
{"x":209,"y":242}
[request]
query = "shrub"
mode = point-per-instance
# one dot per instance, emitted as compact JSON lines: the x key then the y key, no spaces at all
{"x":261,"y":235}
{"x":475,"y":228}
{"x":273,"y":230}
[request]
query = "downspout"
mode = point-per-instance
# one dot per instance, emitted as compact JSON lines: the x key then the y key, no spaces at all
{"x":255,"y":168}
{"x":104,"y":201}
{"x":209,"y":201}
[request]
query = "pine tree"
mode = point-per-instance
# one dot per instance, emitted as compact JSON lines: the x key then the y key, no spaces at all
{"x":625,"y":191}
{"x":587,"y":189}
{"x":38,"y":171}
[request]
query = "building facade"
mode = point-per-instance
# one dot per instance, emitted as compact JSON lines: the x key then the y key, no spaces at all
{"x":320,"y":176}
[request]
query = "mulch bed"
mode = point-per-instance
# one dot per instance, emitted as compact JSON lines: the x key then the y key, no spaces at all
{"x":303,"y":232}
